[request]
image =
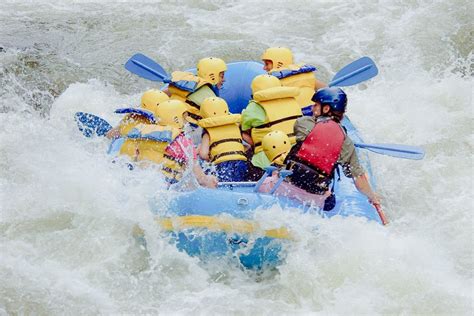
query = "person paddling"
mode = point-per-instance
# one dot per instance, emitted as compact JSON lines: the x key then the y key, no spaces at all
{"x":165,"y":144}
{"x":322,"y":144}
{"x":276,"y":146}
{"x":145,"y":114}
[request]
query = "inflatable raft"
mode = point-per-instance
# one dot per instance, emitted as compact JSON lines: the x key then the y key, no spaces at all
{"x":222,"y":222}
{"x":211,"y":223}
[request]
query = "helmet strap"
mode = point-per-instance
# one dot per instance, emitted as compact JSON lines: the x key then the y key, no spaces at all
{"x":337,"y":116}
{"x":320,"y":110}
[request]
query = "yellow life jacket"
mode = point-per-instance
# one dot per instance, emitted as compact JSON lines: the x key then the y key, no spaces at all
{"x":147,"y":142}
{"x":299,"y":76}
{"x":191,"y":89}
{"x":281,"y":111}
{"x":130,"y":121}
{"x":225,"y":140}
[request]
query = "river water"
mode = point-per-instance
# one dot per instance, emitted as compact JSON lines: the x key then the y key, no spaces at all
{"x":67,"y":213}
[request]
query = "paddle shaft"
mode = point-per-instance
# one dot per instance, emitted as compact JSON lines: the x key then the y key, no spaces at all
{"x":268,"y":172}
{"x":237,"y":184}
{"x":368,"y":146}
{"x":349,"y":75}
{"x":355,"y":69}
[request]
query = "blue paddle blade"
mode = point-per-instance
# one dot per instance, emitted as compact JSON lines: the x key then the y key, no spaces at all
{"x":90,"y":124}
{"x":394,"y":150}
{"x":146,"y":68}
{"x":360,"y":70}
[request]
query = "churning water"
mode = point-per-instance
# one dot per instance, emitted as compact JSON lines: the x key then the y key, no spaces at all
{"x":67,"y":213}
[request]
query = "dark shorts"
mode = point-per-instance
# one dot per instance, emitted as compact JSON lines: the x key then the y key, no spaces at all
{"x":311,"y":181}
{"x":308,"y":179}
{"x":254,"y":173}
{"x":232,"y":171}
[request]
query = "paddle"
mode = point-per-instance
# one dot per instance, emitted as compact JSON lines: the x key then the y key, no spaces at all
{"x":282,"y":175}
{"x":394,"y":150}
{"x":236,"y":184}
{"x":145,"y":67}
{"x":268,"y":172}
{"x":357,"y":71}
{"x":90,"y":124}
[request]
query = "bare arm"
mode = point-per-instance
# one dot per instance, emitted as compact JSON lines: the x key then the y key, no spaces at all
{"x":167,"y":92}
{"x":204,"y":147}
{"x":247,"y":138}
{"x":362,"y":184}
{"x":353,"y":169}
{"x":113,"y":133}
{"x":204,"y":179}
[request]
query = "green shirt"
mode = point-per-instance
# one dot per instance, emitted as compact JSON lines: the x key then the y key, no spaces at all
{"x":253,"y":115}
{"x":260,"y":160}
{"x":200,"y":94}
{"x":348,"y":156}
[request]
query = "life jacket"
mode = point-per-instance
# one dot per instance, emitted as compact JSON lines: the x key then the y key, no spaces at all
{"x":301,"y":77}
{"x":225,"y":140}
{"x":189,"y":88}
{"x":150,"y":116}
{"x":133,"y":118}
{"x":147,"y":142}
{"x":281,"y":111}
{"x":322,"y":147}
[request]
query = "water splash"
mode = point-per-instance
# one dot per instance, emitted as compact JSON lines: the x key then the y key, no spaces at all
{"x":67,"y":214}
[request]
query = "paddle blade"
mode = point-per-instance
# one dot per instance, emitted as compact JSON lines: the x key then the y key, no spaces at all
{"x":356,"y":72}
{"x":90,"y":124}
{"x":146,"y":68}
{"x":394,"y":150}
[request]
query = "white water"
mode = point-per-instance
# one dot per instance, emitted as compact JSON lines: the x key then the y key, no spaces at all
{"x":67,"y":213}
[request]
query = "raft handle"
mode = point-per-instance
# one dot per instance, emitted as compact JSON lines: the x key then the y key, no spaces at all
{"x":243,"y":201}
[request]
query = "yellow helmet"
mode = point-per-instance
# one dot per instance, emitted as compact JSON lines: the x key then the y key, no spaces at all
{"x":280,"y":56}
{"x":262,"y":82}
{"x":214,"y":106}
{"x":276,"y":146}
{"x":151,"y":99}
{"x":209,"y":69}
{"x":170,"y":113}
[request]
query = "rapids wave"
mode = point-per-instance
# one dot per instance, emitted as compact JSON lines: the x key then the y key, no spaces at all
{"x":67,"y":213}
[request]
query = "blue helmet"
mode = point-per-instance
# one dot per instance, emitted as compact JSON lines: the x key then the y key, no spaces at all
{"x":334,"y":97}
